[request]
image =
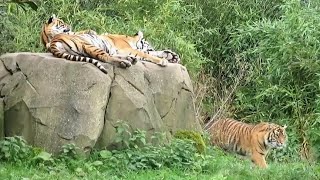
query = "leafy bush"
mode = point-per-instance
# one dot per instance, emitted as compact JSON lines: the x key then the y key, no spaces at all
{"x":43,"y":158}
{"x":194,"y":136}
{"x":14,"y":149}
{"x":135,"y":153}
{"x":69,"y":151}
{"x":179,"y":153}
{"x":126,"y":139}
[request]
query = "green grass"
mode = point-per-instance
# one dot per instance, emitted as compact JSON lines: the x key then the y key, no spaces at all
{"x":224,"y":167}
{"x":178,"y":159}
{"x":215,"y":165}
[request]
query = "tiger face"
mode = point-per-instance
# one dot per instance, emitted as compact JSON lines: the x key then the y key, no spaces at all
{"x":57,"y":26}
{"x":276,"y":136}
{"x":53,"y":27}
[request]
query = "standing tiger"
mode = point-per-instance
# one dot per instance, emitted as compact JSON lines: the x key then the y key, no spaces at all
{"x":246,"y":139}
{"x":89,"y":46}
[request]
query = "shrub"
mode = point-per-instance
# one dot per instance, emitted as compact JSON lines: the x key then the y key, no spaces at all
{"x":194,"y":136}
{"x":14,"y":149}
{"x":179,"y":153}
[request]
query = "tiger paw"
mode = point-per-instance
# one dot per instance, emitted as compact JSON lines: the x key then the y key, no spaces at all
{"x":125,"y":64}
{"x":163,"y":62}
{"x":171,"y":56}
{"x":132,"y":59}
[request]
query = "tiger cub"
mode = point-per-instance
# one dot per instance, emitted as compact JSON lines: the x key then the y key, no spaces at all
{"x":246,"y":139}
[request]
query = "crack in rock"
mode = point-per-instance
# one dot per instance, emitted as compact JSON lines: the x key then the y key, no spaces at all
{"x":17,"y":67}
{"x":27,"y":79}
{"x":91,"y":86}
{"x":40,"y":122}
{"x":65,"y":138}
{"x":183,"y":88}
{"x":133,"y":85}
{"x":171,"y":104}
{"x":174,"y":100}
{"x":15,"y":87}
{"x":147,"y":78}
{"x":109,"y":97}
{"x":7,"y":68}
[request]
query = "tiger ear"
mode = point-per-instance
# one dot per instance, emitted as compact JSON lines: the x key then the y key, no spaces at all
{"x":284,"y":127}
{"x":52,"y":18}
{"x":140,"y":34}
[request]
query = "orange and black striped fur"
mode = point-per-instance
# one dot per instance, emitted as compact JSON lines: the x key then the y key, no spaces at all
{"x":89,"y":47}
{"x":246,"y":139}
{"x":137,"y":42}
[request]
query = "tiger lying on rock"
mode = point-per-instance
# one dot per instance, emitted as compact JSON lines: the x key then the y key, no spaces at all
{"x":246,"y":139}
{"x":90,"y":47}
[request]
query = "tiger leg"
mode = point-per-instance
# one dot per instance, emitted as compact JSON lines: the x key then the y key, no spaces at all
{"x":169,"y":55}
{"x":93,"y":54}
{"x":57,"y":50}
{"x":259,"y":160}
{"x":100,"y":54}
{"x":143,"y":56}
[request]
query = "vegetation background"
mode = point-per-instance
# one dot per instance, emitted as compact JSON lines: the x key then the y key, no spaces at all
{"x":253,"y":60}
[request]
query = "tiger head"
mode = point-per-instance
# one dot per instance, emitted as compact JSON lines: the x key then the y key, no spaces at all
{"x":53,"y":27}
{"x":276,"y":136}
{"x":141,"y":43}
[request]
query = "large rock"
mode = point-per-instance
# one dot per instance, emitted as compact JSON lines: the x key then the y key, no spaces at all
{"x":51,"y":101}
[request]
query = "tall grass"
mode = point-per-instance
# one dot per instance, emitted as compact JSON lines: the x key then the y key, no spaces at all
{"x":283,"y":85}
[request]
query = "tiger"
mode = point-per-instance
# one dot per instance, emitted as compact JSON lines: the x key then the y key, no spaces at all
{"x":88,"y":46}
{"x":142,"y":45}
{"x":249,"y":140}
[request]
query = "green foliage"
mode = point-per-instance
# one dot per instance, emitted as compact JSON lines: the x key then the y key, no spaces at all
{"x":14,"y":149}
{"x":283,"y":83}
{"x":138,"y":154}
{"x":138,"y":138}
{"x":220,"y":19}
{"x":12,"y":5}
{"x":128,"y":139}
{"x":69,"y":151}
{"x":158,"y":138}
{"x":44,"y":158}
{"x":194,"y":136}
{"x":179,"y":153}
{"x":178,"y":160}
